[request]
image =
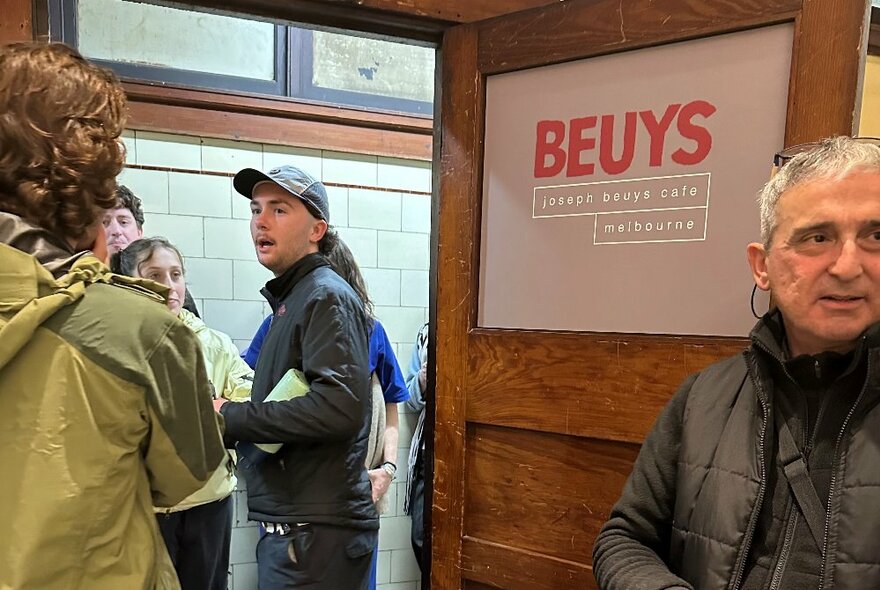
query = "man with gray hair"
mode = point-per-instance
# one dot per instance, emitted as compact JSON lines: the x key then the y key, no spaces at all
{"x":763,"y":471}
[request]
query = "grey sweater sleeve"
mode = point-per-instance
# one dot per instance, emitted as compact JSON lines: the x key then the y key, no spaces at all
{"x":631,"y":551}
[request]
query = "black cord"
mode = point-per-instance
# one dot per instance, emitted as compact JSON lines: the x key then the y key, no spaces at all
{"x":752,"y":301}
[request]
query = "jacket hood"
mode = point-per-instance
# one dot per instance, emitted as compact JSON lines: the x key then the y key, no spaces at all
{"x":192,"y":322}
{"x":30,"y":293}
{"x":53,"y":253}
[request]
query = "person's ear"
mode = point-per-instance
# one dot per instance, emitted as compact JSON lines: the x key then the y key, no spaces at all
{"x":319,"y":228}
{"x":140,"y":231}
{"x":757,"y":255}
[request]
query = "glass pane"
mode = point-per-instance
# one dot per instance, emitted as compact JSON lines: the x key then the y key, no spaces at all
{"x":382,"y":68}
{"x":167,"y":37}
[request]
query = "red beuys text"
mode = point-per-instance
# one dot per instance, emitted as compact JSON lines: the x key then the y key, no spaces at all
{"x":552,"y":156}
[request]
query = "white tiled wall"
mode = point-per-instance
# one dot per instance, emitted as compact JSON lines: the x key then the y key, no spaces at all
{"x":384,"y":223}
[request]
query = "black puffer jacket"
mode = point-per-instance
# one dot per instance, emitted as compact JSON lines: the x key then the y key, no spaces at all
{"x":688,"y":513}
{"x":319,"y":327}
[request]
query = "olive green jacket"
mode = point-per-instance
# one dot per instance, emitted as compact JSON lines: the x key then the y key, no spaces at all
{"x":106,"y":411}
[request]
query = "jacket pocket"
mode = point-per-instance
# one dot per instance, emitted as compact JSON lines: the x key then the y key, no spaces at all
{"x":362,"y":543}
{"x":309,"y":552}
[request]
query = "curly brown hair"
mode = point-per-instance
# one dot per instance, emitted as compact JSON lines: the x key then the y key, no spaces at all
{"x":60,"y":122}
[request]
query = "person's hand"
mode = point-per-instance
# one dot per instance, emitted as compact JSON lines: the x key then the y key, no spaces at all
{"x":380,"y":480}
{"x":423,"y":377}
{"x":218,"y":403}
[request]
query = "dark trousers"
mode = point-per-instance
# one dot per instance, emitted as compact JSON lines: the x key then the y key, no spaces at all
{"x":198,"y":543}
{"x":417,"y":510}
{"x":316,"y":556}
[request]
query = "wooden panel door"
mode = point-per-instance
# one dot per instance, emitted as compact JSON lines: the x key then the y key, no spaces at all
{"x":535,"y":432}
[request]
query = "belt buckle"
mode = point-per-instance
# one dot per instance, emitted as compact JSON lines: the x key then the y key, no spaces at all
{"x":279,"y":528}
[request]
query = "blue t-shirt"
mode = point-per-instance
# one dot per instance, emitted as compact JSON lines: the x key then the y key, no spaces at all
{"x":382,"y":360}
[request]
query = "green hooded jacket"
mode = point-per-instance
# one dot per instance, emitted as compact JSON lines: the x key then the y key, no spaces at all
{"x":106,"y":412}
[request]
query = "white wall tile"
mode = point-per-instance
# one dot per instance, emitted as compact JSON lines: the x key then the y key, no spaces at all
{"x":164,"y":149}
{"x":248,"y":278}
{"x":407,"y":420}
{"x":220,"y":155}
{"x":402,"y":459}
{"x":373,"y":209}
{"x":414,"y":288}
{"x":403,"y":250}
{"x":404,"y":567}
{"x":338,"y":198}
{"x":238,"y":319}
{"x":241,"y":510}
{"x":244,"y":576}
{"x":199,"y":194}
{"x":342,"y":168}
{"x":241,"y":205}
{"x":363,"y":244}
{"x":151,"y":186}
{"x":383,"y":567}
{"x":402,"y":325}
{"x":209,"y":278}
{"x":416,"y":210}
{"x":303,"y":158}
{"x":183,"y":231}
{"x":413,"y":175}
{"x":242,"y":482}
{"x":243,"y":547}
{"x":228,"y":238}
{"x":128,"y":140}
{"x":225,"y":276}
{"x":395,"y":533}
{"x":383,"y":285}
{"x":399,"y":586}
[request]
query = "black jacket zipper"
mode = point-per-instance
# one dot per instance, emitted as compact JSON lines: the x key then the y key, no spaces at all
{"x":849,"y":415}
{"x":753,"y":519}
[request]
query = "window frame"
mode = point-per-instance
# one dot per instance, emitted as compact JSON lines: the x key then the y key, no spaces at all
{"x":301,"y":43}
{"x":294,"y":68}
{"x":63,"y":14}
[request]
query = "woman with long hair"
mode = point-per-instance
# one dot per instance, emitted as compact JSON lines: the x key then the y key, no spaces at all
{"x":197,"y":531}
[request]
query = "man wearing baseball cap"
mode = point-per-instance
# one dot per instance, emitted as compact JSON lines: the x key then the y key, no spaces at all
{"x":313,"y":496}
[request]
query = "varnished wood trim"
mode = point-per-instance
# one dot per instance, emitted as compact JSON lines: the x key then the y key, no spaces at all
{"x":600,"y":386}
{"x":576,"y":30}
{"x":261,"y":128}
{"x":529,"y":490}
{"x":457,"y":227}
{"x":467,"y":11}
{"x":388,"y":19}
{"x":425,"y":19}
{"x":493,"y":564}
{"x":16,"y":22}
{"x":825,"y":71}
{"x":279,"y":107}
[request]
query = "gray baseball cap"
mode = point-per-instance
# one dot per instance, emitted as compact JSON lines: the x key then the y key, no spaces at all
{"x":297,"y":182}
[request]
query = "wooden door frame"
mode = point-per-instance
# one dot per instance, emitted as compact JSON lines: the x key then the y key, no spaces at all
{"x":507,"y":43}
{"x":550,"y":35}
